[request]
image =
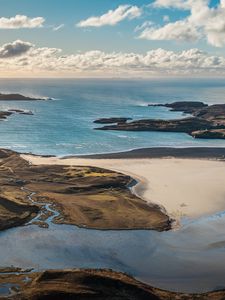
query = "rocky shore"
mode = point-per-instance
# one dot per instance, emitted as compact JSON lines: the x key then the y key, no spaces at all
{"x":88,"y":197}
{"x":87,"y":284}
{"x":206,"y":121}
{"x":5,"y":114}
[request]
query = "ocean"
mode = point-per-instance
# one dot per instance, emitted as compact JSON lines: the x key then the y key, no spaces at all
{"x":64,"y":125}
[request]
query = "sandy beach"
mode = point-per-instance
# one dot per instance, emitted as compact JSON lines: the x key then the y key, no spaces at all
{"x":183,"y":187}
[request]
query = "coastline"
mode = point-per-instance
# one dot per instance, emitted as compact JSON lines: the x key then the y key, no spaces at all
{"x":188,"y":183}
{"x":161,"y":152}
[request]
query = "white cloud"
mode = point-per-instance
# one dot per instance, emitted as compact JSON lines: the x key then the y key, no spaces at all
{"x":179,"y":4}
{"x":143,"y":26}
{"x":24,"y":58}
{"x":56,"y":28}
{"x":15,"y":49}
{"x":180,"y":31}
{"x":112,"y":17}
{"x":166,"y":18}
{"x":202,"y":22}
{"x":20,"y":21}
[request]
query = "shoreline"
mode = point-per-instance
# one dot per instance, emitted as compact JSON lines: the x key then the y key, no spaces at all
{"x":158,"y":152}
{"x":160,"y":177}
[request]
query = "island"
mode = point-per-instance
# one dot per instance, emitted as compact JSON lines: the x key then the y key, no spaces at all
{"x":206,"y":121}
{"x":87,"y":284}
{"x":18,"y":97}
{"x":85,"y":196}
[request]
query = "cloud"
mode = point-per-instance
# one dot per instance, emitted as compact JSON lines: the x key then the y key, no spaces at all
{"x":202,"y":22}
{"x":143,"y":26}
{"x":15,"y":49}
{"x":24,"y":58}
{"x":112,"y":17}
{"x":179,"y":31}
{"x":166,"y":18}
{"x":20,"y":21}
{"x":56,"y":28}
{"x":178,"y":4}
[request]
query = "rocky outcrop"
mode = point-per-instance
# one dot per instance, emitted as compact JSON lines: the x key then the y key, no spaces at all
{"x":206,"y":122}
{"x":184,"y":125}
{"x":187,"y":107}
{"x":209,"y":134}
{"x":5,"y":114}
{"x":111,"y":120}
{"x":21,"y":111}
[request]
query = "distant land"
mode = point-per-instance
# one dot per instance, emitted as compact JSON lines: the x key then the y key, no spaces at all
{"x":18,"y":97}
{"x":207,"y":121}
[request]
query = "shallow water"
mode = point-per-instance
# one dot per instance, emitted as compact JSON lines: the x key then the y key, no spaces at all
{"x":65,"y":126}
{"x":191,"y":259}
{"x":6,"y":289}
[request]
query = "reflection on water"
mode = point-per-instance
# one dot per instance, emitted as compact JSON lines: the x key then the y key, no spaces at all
{"x":191,"y":259}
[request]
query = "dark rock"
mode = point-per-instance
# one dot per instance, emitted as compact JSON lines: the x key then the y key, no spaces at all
{"x":209,"y":134}
{"x":184,"y":125}
{"x":17,"y":97}
{"x":111,"y":120}
{"x":5,"y":114}
{"x":185,"y":106}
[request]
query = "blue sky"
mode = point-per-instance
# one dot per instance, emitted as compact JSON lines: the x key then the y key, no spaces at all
{"x":120,"y":37}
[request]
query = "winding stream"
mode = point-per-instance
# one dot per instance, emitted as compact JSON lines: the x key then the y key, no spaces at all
{"x":47,"y":210}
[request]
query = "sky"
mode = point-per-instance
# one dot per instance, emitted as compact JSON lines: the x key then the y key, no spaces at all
{"x":105,"y":38}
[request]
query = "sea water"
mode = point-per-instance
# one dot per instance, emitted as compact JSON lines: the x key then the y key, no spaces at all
{"x":64,"y":125}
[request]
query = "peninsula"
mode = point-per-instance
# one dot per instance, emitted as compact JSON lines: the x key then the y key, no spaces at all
{"x":207,"y":121}
{"x":85,"y":196}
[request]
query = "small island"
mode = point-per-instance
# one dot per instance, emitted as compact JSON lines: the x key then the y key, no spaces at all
{"x":18,"y":97}
{"x":207,"y":121}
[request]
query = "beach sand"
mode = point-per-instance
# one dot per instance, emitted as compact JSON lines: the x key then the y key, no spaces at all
{"x":184,"y":187}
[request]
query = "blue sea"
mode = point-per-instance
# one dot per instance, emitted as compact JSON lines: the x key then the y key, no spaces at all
{"x":64,"y":125}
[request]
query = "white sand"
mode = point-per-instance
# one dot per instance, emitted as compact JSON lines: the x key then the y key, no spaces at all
{"x":184,"y":187}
